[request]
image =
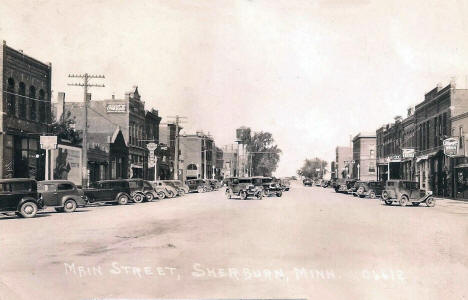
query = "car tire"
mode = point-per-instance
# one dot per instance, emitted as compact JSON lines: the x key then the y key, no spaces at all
{"x":138,"y":198}
{"x":69,"y":206}
{"x":161,"y":195}
{"x":403,"y":200}
{"x":385,"y":195}
{"x":372,"y":195}
{"x":243,"y":195}
{"x":388,"y":202}
{"x":171,"y":194}
{"x":200,"y":190}
{"x":259,"y":196}
{"x":28,"y":209}
{"x":122,"y":199}
{"x":430,"y":202}
{"x":279,"y":194}
{"x":149,"y":197}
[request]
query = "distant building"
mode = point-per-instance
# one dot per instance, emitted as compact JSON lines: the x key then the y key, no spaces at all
{"x":25,"y":115}
{"x":364,"y":157}
{"x":198,"y":153}
{"x":344,"y":157}
{"x":389,"y":159}
{"x":230,"y":161}
{"x":219,"y":164}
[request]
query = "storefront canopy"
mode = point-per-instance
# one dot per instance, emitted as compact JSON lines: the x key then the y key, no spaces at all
{"x":461,"y":166}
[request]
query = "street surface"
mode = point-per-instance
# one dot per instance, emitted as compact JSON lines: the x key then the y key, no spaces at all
{"x":310,"y":243}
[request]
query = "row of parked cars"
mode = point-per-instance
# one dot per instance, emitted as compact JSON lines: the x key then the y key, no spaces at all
{"x":403,"y":192}
{"x":24,"y":196}
{"x":317,"y":182}
{"x":256,"y":187}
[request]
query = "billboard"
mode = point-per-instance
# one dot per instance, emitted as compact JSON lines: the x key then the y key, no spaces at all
{"x":116,"y":108}
{"x":66,"y":163}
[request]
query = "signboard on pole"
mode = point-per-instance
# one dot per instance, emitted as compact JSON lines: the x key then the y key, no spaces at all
{"x":407,"y":152}
{"x":451,"y":146}
{"x":48,"y":142}
{"x":151,"y":159}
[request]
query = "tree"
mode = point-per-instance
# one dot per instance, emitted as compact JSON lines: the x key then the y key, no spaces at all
{"x":310,"y":167}
{"x":64,"y":129}
{"x":264,"y":154}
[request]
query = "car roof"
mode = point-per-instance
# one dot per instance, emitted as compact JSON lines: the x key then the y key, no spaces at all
{"x":16,"y":180}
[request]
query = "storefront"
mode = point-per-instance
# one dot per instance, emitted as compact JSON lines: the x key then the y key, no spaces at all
{"x":461,"y":179}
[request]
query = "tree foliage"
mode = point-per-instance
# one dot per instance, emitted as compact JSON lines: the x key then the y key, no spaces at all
{"x":264,"y":154}
{"x":64,"y":129}
{"x":310,"y":167}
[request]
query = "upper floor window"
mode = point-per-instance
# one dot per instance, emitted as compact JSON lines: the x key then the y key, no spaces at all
{"x":462,"y":137}
{"x":22,"y":101}
{"x":42,"y":106}
{"x":11,"y":99}
{"x":32,"y":103}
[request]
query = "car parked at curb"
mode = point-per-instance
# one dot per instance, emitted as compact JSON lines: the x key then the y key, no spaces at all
{"x":180,"y":185}
{"x":20,"y":196}
{"x":343,"y":185}
{"x":141,"y":190}
{"x":109,"y":191}
{"x":307,"y":182}
{"x":62,"y":195}
{"x":285,"y":184}
{"x":243,"y":188}
{"x":198,"y":185}
{"x":405,"y":192}
{"x":353,"y":189}
{"x":372,"y":189}
{"x":169,"y":190}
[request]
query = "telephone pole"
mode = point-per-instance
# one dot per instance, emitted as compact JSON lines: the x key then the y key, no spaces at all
{"x":84,"y":151}
{"x":176,"y":146}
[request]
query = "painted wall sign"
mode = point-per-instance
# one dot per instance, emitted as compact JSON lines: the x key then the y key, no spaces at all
{"x":116,"y":108}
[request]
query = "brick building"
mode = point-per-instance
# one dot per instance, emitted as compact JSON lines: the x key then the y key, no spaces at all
{"x":25,"y":113}
{"x":230,"y":161}
{"x":198,"y":153}
{"x":459,"y":131}
{"x":364,"y":156}
{"x":389,"y":160}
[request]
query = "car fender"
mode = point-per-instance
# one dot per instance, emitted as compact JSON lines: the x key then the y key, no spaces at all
{"x":79,"y":201}
{"x":28,"y":199}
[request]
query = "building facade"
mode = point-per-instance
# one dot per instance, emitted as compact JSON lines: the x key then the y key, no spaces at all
{"x":364,"y":156}
{"x":26,"y":107}
{"x":389,"y":160}
{"x":344,"y":157}
{"x":230,"y":161}
{"x":198,"y":153}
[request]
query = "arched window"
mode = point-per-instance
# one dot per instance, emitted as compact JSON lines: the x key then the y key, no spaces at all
{"x":32,"y":103}
{"x":22,"y":101}
{"x":192,"y":167}
{"x":11,"y":104}
{"x":42,"y":106}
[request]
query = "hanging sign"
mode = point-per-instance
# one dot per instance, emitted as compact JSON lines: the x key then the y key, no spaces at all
{"x":451,"y":146}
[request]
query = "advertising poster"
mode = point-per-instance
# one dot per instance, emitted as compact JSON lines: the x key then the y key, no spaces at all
{"x":66,"y":163}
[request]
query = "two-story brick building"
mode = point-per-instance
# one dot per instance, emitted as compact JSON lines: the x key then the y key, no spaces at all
{"x":343,"y":159}
{"x":364,"y":157}
{"x":25,"y":113}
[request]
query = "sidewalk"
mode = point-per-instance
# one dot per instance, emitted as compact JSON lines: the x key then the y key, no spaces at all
{"x":448,"y":202}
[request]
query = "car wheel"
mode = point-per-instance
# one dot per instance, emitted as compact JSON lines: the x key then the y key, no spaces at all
{"x":69,"y":206}
{"x":122,"y":199}
{"x":337,"y":190}
{"x":388,"y":202}
{"x":372,"y":195}
{"x":149,"y":197}
{"x":171,"y":194}
{"x":430,"y":202}
{"x":243,"y":195}
{"x":279,"y":194}
{"x":403,"y":200}
{"x":259,"y":196}
{"x":28,"y":210}
{"x":384,"y":195}
{"x":200,"y":190}
{"x":161,"y":195}
{"x":181,"y":193}
{"x":138,"y":198}
{"x":415,"y":203}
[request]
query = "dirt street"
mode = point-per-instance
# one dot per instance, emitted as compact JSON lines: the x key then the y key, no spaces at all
{"x":310,"y":243}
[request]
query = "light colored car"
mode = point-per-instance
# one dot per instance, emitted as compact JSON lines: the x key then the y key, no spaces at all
{"x":181,"y":188}
{"x":169,"y":190}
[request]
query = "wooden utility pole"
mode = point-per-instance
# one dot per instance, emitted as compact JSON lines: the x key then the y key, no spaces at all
{"x":85,"y":85}
{"x":176,"y":146}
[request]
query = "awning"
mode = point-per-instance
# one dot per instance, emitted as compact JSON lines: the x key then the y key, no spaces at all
{"x":461,"y":166}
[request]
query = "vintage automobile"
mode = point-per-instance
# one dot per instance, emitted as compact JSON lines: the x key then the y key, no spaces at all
{"x":167,"y":189}
{"x":141,"y":190}
{"x":307,"y":182}
{"x":180,"y":185}
{"x":112,"y":191}
{"x":371,"y":189}
{"x":285,"y":184}
{"x":63,"y":195}
{"x":214,"y":183}
{"x":243,"y":187}
{"x":179,"y":191}
{"x":20,"y":196}
{"x":353,"y":189}
{"x":318,"y":182}
{"x":268,"y":184}
{"x":326,"y":183}
{"x":198,"y":185}
{"x":404,"y":192}
{"x":343,"y":185}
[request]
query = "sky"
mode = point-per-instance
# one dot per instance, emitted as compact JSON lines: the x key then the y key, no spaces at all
{"x":313,"y":73}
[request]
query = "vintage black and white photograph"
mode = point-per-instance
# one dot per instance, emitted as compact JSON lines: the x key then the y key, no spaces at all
{"x":233,"y":149}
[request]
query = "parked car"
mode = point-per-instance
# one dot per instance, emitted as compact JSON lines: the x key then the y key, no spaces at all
{"x":63,"y":195}
{"x":326,"y":183}
{"x":168,"y":189}
{"x":307,"y":182}
{"x":318,"y":182}
{"x":285,"y":184}
{"x":20,"y":196}
{"x":198,"y":185}
{"x":214,"y":183}
{"x":404,"y":192}
{"x":141,"y":190}
{"x":243,"y":187}
{"x":112,"y":191}
{"x":372,"y":189}
{"x":179,"y":184}
{"x":343,"y":185}
{"x":353,"y":189}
